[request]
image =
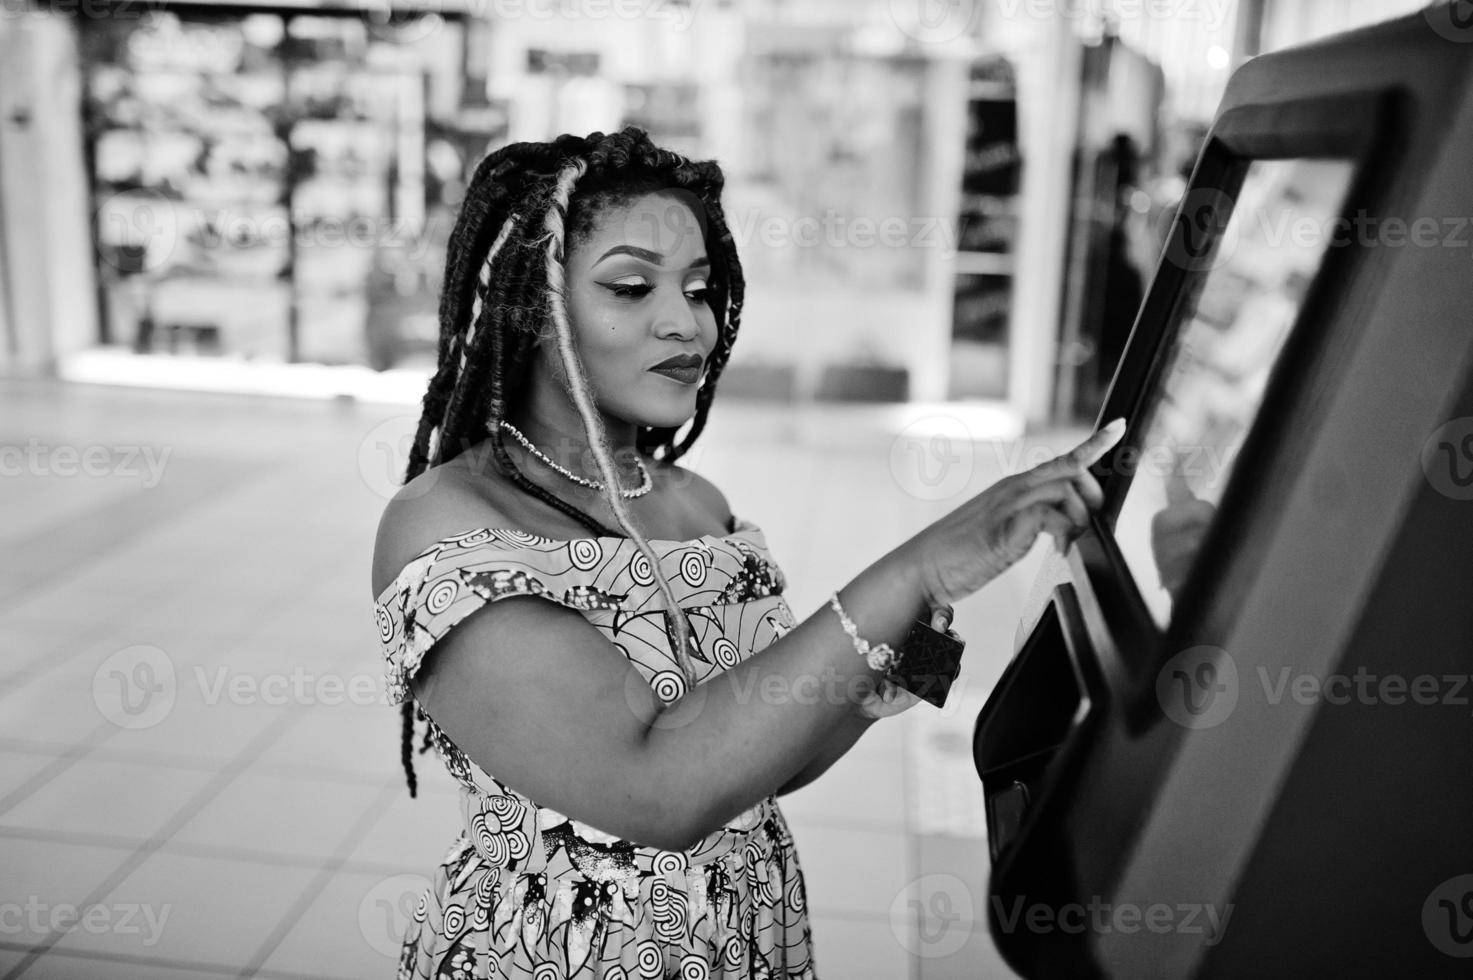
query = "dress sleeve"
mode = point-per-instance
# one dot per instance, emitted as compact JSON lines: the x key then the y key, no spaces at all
{"x":456,"y":576}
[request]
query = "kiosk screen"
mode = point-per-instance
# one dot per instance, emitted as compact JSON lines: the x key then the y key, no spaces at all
{"x":1242,"y":301}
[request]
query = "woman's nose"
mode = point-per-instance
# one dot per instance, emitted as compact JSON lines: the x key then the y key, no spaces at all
{"x":675,"y":318}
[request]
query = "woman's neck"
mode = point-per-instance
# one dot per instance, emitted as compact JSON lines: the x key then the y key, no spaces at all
{"x":558,"y":433}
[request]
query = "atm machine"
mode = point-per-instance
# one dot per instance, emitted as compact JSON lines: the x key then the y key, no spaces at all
{"x":1236,"y":739}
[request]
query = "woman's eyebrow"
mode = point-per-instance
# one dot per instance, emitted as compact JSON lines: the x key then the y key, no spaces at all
{"x":654,"y":258}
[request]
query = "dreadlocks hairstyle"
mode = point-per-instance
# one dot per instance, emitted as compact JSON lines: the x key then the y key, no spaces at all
{"x":504,"y":292}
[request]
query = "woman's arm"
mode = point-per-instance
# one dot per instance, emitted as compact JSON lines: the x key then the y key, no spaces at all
{"x":534,"y":693}
{"x":840,"y":741}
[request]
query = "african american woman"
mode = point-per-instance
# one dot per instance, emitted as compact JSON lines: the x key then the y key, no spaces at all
{"x":588,"y":635}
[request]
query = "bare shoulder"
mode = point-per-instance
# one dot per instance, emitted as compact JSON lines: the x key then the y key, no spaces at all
{"x":435,"y":505}
{"x":705,"y":494}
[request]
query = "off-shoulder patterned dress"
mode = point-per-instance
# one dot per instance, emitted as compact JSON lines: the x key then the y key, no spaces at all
{"x":526,"y":892}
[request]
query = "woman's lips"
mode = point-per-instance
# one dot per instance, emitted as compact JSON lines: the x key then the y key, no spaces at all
{"x":683,"y":375}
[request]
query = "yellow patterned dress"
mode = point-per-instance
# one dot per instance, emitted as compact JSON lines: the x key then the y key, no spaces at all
{"x":525,"y":891}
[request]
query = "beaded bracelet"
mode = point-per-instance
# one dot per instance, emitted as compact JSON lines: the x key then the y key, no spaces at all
{"x":926,"y":664}
{"x":882,"y":657}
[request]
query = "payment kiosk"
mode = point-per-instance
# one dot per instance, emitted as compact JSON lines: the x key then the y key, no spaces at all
{"x":1236,"y":739}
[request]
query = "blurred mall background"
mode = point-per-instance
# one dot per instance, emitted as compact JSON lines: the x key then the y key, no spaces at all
{"x":934,"y":201}
{"x":947,"y":211}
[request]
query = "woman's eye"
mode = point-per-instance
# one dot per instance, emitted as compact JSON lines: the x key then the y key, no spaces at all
{"x":699,"y":295}
{"x":628,"y":290}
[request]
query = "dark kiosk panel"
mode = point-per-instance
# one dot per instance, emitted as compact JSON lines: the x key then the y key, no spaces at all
{"x":1237,"y":737}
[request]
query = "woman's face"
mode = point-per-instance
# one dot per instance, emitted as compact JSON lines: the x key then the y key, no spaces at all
{"x":636,"y":289}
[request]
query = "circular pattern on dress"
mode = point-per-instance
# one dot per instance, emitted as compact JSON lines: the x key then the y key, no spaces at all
{"x":693,"y":967}
{"x":659,"y":894}
{"x":615,"y":972}
{"x":731,"y":952}
{"x":454,"y":921}
{"x":385,"y":623}
{"x":797,"y":901}
{"x":670,"y":919}
{"x":474,"y":537}
{"x":669,"y":863}
{"x":546,"y":971}
{"x":507,"y":811}
{"x":512,"y":535}
{"x":640,"y":569}
{"x":585,"y":553}
{"x":442,"y":594}
{"x":668,"y":685}
{"x":693,"y":568}
{"x":648,"y":959}
{"x":493,"y":845}
{"x":485,"y":890}
{"x":725,"y":652}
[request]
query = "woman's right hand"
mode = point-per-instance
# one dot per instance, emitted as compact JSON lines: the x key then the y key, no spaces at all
{"x":978,"y":541}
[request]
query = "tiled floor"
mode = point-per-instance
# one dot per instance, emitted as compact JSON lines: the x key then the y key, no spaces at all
{"x":165,"y":812}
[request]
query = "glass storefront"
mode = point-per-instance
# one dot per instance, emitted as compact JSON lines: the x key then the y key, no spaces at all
{"x":274,"y":187}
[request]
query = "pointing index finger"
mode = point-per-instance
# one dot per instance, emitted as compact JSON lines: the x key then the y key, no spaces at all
{"x":1088,"y":452}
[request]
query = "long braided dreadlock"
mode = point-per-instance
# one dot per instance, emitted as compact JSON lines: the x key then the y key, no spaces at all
{"x":503,"y":292}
